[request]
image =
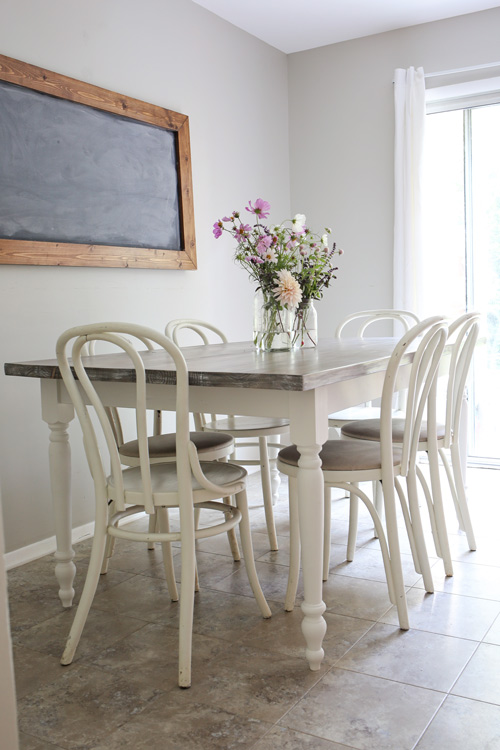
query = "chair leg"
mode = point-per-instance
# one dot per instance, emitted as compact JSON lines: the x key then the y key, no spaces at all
{"x":89,"y":588}
{"x":378,"y":501}
{"x":395,"y":555}
{"x":418,"y":532}
{"x":293,"y":571}
{"x":110,"y":543}
{"x":168,"y":563}
{"x":188,"y":575}
{"x":151,"y":529}
{"x":440,"y":521}
{"x":327,"y":532}
{"x":461,"y":495}
{"x":267,"y":493}
{"x":353,"y":526}
{"x":246,"y":543}
{"x":231,"y":534}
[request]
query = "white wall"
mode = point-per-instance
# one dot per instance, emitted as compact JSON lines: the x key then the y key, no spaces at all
{"x":234,"y":89}
{"x":341,"y":142}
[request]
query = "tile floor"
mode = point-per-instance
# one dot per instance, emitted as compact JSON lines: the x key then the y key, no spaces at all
{"x":434,"y":686}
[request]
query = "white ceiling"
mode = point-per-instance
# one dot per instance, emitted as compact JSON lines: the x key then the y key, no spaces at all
{"x":295,"y":25}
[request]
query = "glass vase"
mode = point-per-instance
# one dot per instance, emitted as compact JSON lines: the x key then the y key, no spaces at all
{"x":305,"y":325}
{"x":272,"y":324}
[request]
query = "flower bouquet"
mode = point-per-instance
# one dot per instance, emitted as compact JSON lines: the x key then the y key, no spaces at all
{"x":291,"y":267}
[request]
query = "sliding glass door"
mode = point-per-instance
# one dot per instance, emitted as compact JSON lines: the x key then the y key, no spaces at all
{"x":462,"y":249}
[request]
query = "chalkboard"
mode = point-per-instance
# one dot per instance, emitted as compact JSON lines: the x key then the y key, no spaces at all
{"x":90,"y":177}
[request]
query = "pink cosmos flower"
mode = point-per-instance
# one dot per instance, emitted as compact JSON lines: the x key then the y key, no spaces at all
{"x":217,"y":229}
{"x":242,"y":231}
{"x":260,"y":209}
{"x":264,"y":243}
{"x":287,"y":289}
{"x":254,"y":259}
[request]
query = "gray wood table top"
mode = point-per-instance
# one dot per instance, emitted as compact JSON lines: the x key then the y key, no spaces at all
{"x":239,"y":365}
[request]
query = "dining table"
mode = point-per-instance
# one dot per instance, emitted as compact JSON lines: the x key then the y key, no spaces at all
{"x":302,"y":385}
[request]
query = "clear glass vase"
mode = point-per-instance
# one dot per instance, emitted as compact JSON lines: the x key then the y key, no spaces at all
{"x":305,"y":325}
{"x":272,"y":324}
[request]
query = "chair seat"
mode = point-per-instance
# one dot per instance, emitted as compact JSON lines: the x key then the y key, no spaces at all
{"x":369,"y":429}
{"x":343,"y":455}
{"x":163,"y":446}
{"x":355,"y":412}
{"x":164,"y":477}
{"x":248,"y":426}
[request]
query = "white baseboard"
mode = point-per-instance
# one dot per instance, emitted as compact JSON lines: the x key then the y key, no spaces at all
{"x":48,"y":546}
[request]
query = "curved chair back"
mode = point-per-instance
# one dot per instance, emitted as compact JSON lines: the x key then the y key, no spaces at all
{"x":200,"y":327}
{"x":430,"y":338}
{"x":82,"y":391}
{"x":367,"y":318}
{"x":464,"y":332}
{"x":113,"y":414}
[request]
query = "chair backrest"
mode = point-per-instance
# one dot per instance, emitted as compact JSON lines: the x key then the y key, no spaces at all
{"x":463,"y":333}
{"x":200,"y":328}
{"x":81,"y":390}
{"x":403,"y":320}
{"x":367,"y":318}
{"x":429,"y":338}
{"x":113,"y":414}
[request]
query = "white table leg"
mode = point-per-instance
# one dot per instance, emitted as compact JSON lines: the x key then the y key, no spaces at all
{"x":60,"y":480}
{"x":309,"y":430}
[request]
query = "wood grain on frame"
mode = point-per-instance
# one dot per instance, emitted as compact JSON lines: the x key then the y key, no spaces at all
{"x":67,"y":253}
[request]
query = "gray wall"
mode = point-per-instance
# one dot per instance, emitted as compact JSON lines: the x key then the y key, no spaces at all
{"x":242,"y":96}
{"x":341,"y":142}
{"x":234,"y":89}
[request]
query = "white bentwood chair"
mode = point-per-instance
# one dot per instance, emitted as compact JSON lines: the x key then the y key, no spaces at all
{"x":346,"y":463}
{"x":151,"y":487}
{"x":358,"y":324}
{"x":161,"y":447}
{"x":437,"y":438}
{"x":244,"y":430}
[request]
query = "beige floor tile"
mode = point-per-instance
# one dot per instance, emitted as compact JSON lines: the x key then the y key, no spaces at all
{"x":101,"y":630}
{"x":151,"y":655}
{"x":178,"y":722}
{"x":493,"y":634}
{"x":256,"y":683}
{"x":273,"y":580}
{"x":26,"y":742}
{"x":480,"y":679}
{"x":282,"y":634}
{"x":463,"y":724}
{"x":363,"y":712}
{"x":356,"y":597}
{"x":480,"y":581}
{"x":448,"y":614}
{"x":415,"y":657}
{"x":280,"y":738}
{"x":33,"y":670}
{"x":83,"y":705}
{"x":368,"y":564}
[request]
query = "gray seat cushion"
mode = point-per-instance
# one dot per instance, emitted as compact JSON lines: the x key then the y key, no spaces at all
{"x":343,"y":455}
{"x":163,"y":446}
{"x":369,"y":429}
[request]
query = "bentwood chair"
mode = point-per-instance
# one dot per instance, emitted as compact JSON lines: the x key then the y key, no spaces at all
{"x":359,"y":324}
{"x":245,"y":430}
{"x":153,"y":488}
{"x":161,"y":447}
{"x":437,"y":438}
{"x":346,"y":463}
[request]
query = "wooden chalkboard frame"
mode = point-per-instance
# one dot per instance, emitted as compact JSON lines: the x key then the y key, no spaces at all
{"x":32,"y":252}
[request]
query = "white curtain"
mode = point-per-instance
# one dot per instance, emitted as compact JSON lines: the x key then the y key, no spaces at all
{"x":409,"y":101}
